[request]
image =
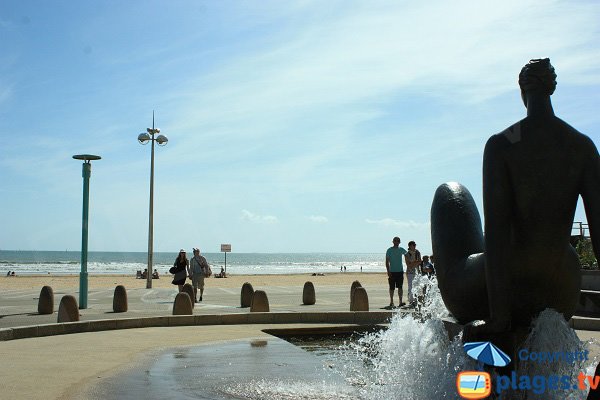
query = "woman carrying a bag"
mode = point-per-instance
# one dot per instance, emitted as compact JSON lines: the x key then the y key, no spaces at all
{"x":180,"y":267}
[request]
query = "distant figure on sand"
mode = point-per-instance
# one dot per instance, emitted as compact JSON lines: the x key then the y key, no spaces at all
{"x":198,"y":270}
{"x":413,"y":260}
{"x":533,"y":174}
{"x":155,"y":274}
{"x":179,"y":269}
{"x":395,"y":270}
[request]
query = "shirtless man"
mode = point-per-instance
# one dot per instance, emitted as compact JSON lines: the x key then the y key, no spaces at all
{"x":533,"y":173}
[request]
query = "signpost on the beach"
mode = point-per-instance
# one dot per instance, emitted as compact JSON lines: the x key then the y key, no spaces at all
{"x":83,"y":275}
{"x":226,"y":248}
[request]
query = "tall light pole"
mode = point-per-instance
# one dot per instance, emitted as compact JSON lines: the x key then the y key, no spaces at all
{"x":162,"y":140}
{"x":83,"y":275}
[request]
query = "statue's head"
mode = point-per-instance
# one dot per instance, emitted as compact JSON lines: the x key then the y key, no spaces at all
{"x":538,"y":75}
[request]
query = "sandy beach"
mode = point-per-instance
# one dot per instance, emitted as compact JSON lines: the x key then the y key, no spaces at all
{"x":66,"y":282}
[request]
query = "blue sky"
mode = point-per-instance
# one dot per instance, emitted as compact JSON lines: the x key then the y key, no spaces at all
{"x":293,"y":126}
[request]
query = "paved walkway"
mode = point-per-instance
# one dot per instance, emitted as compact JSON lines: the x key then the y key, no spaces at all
{"x":19,"y":307}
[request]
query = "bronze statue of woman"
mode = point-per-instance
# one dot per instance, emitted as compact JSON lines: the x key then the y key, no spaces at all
{"x":533,"y":173}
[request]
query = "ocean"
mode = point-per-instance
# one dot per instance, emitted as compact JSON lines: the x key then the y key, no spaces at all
{"x":104,"y":262}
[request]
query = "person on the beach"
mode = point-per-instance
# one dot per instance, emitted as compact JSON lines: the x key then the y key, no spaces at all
{"x":413,"y":260}
{"x":180,"y":267}
{"x":395,"y":270}
{"x":198,"y":270}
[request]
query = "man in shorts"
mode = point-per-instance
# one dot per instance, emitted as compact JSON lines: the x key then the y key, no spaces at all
{"x":198,"y":269}
{"x":395,"y":271}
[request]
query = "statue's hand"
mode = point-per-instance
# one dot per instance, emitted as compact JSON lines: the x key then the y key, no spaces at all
{"x":478,"y":330}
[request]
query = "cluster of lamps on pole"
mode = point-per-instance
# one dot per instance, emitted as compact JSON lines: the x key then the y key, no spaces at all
{"x":152,"y":135}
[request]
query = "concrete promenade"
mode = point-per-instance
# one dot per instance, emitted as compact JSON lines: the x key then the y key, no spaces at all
{"x":18,"y":307}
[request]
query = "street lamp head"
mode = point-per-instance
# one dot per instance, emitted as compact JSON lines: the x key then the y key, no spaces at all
{"x":162,"y":140}
{"x":86,"y":157}
{"x":143,"y":138}
{"x":153,"y":131}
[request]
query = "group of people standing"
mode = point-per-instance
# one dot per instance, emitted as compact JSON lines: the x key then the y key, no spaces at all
{"x":196,"y":269}
{"x":415,"y":264}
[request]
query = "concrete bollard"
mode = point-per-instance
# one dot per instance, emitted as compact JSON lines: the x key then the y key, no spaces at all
{"x":46,"y":301}
{"x":189,"y":289}
{"x":308,"y":294}
{"x":360,"y":301}
{"x":260,"y":302}
{"x":355,"y":284}
{"x":120,"y":299}
{"x":68,"y":310}
{"x":182,"y":304}
{"x":246,"y":295}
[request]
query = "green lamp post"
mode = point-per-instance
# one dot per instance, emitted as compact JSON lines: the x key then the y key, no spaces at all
{"x":83,"y":275}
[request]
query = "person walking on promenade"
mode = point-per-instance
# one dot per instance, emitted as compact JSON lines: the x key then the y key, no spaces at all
{"x":413,"y":260}
{"x":395,"y":270}
{"x":198,"y":270}
{"x":180,"y":267}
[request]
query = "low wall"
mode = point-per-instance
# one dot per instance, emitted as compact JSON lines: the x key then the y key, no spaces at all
{"x":590,"y":279}
{"x":342,"y":317}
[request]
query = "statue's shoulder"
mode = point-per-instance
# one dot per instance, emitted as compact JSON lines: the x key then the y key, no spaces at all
{"x":582,"y":143}
{"x":505,"y":139}
{"x":512,"y":133}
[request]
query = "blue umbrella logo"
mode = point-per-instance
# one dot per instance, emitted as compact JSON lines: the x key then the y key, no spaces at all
{"x":487,"y":353}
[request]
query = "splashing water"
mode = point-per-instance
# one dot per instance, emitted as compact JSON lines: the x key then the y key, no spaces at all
{"x":550,"y":334}
{"x":414,"y":359}
{"x":290,"y":390}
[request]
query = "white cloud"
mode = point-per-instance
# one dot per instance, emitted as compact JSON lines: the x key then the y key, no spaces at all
{"x":259,"y":219}
{"x":396,"y":223}
{"x":321,"y":81}
{"x":318,"y":218}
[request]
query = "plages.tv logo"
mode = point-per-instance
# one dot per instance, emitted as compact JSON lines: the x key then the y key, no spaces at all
{"x":478,"y":384}
{"x":473,"y":384}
